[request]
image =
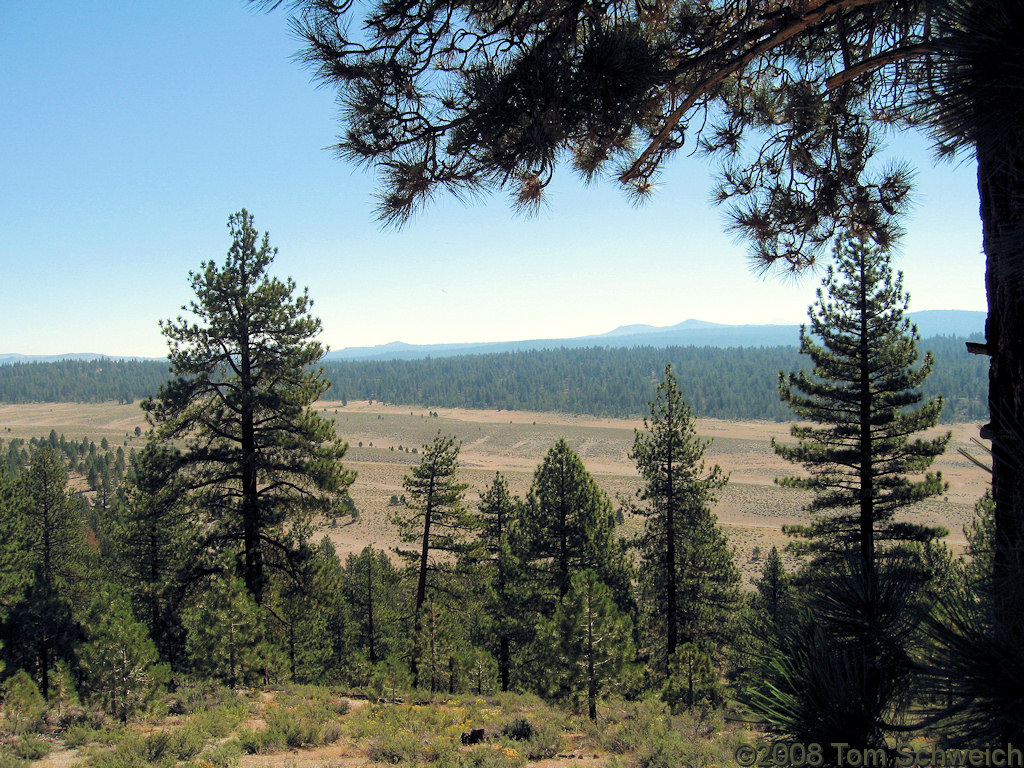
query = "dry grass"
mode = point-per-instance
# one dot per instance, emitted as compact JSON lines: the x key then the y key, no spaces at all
{"x":751,"y":508}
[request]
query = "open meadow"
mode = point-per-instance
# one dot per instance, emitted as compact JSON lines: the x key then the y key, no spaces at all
{"x":381,"y":439}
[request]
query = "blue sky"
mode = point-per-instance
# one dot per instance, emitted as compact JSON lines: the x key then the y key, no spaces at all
{"x":129,"y":132}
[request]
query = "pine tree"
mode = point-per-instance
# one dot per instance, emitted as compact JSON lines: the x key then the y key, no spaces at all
{"x":498,"y":512}
{"x":587,"y":644}
{"x":438,"y":523}
{"x":118,"y":659}
{"x":688,"y":574}
{"x":371,"y":589}
{"x":774,"y":600}
{"x":568,"y":526}
{"x":794,"y":98}
{"x":258,"y":458}
{"x":157,"y":553}
{"x":864,"y":585}
{"x":226,"y":637}
{"x":14,"y":567}
{"x":771,"y":610}
{"x":864,"y":388}
{"x":43,"y":623}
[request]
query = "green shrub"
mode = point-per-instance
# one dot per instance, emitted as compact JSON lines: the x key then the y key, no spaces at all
{"x":24,"y":706}
{"x":8,"y":760}
{"x":219,"y":721}
{"x":132,"y":751}
{"x":225,"y":755}
{"x":639,"y":723}
{"x":330,"y":733}
{"x":545,"y":742}
{"x":31,"y":748}
{"x":294,"y":725}
{"x":493,"y":756}
{"x":158,"y":745}
{"x":92,"y":731}
{"x":672,"y":748}
{"x":257,"y":741}
{"x":200,"y":695}
{"x":518,"y":729}
{"x":399,"y":748}
{"x":186,"y":742}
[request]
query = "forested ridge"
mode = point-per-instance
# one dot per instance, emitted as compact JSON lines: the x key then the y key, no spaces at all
{"x":735,"y":383}
{"x":727,"y":383}
{"x":81,"y":381}
{"x":196,"y":563}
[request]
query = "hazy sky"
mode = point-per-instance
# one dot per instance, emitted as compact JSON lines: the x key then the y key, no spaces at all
{"x":130,"y":131}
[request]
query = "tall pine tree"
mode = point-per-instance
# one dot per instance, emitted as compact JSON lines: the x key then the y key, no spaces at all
{"x":258,"y":458}
{"x":587,"y":643}
{"x":568,"y":526}
{"x":499,"y":510}
{"x":864,"y":583}
{"x":42,"y":625}
{"x":689,"y":580}
{"x":864,"y":389}
{"x":435,"y":520}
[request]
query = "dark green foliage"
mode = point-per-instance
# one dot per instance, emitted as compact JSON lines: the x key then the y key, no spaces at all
{"x":793,"y":99}
{"x":156,"y":552}
{"x":371,"y":590}
{"x":499,"y":511}
{"x":604,"y":381}
{"x":257,"y":456}
{"x":689,"y":583}
{"x":312,"y":621}
{"x":41,"y":629}
{"x":15,"y":572}
{"x":974,"y":657}
{"x":24,"y":705}
{"x":717,"y":383}
{"x":774,"y":601}
{"x":568,"y":525}
{"x":118,"y":660}
{"x":485,"y":97}
{"x":435,"y":520}
{"x":865,"y":389}
{"x":867,"y":587}
{"x":82,"y":381}
{"x":587,"y":645}
{"x":226,"y":637}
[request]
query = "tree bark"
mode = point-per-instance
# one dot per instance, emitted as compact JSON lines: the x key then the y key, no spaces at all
{"x":1001,"y":189}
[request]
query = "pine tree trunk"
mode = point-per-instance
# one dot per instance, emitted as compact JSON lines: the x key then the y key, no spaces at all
{"x":421,"y":588}
{"x":369,"y":606}
{"x":250,"y":508}
{"x":563,"y":542}
{"x":670,"y":552}
{"x":867,"y":492}
{"x":503,"y":661}
{"x":1001,"y":188}
{"x":591,"y":672}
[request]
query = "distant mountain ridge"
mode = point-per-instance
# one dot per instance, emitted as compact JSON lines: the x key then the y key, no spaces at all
{"x":689,"y":333}
{"x":697,"y":333}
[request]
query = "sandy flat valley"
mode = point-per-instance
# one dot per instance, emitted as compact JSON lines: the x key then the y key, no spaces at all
{"x":752,"y":508}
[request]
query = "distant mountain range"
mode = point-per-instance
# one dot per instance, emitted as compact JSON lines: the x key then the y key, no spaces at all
{"x":695,"y":333}
{"x":689,"y":333}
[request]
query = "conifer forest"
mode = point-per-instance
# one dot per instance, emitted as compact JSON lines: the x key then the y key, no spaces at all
{"x":180,"y":600}
{"x":191,"y":573}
